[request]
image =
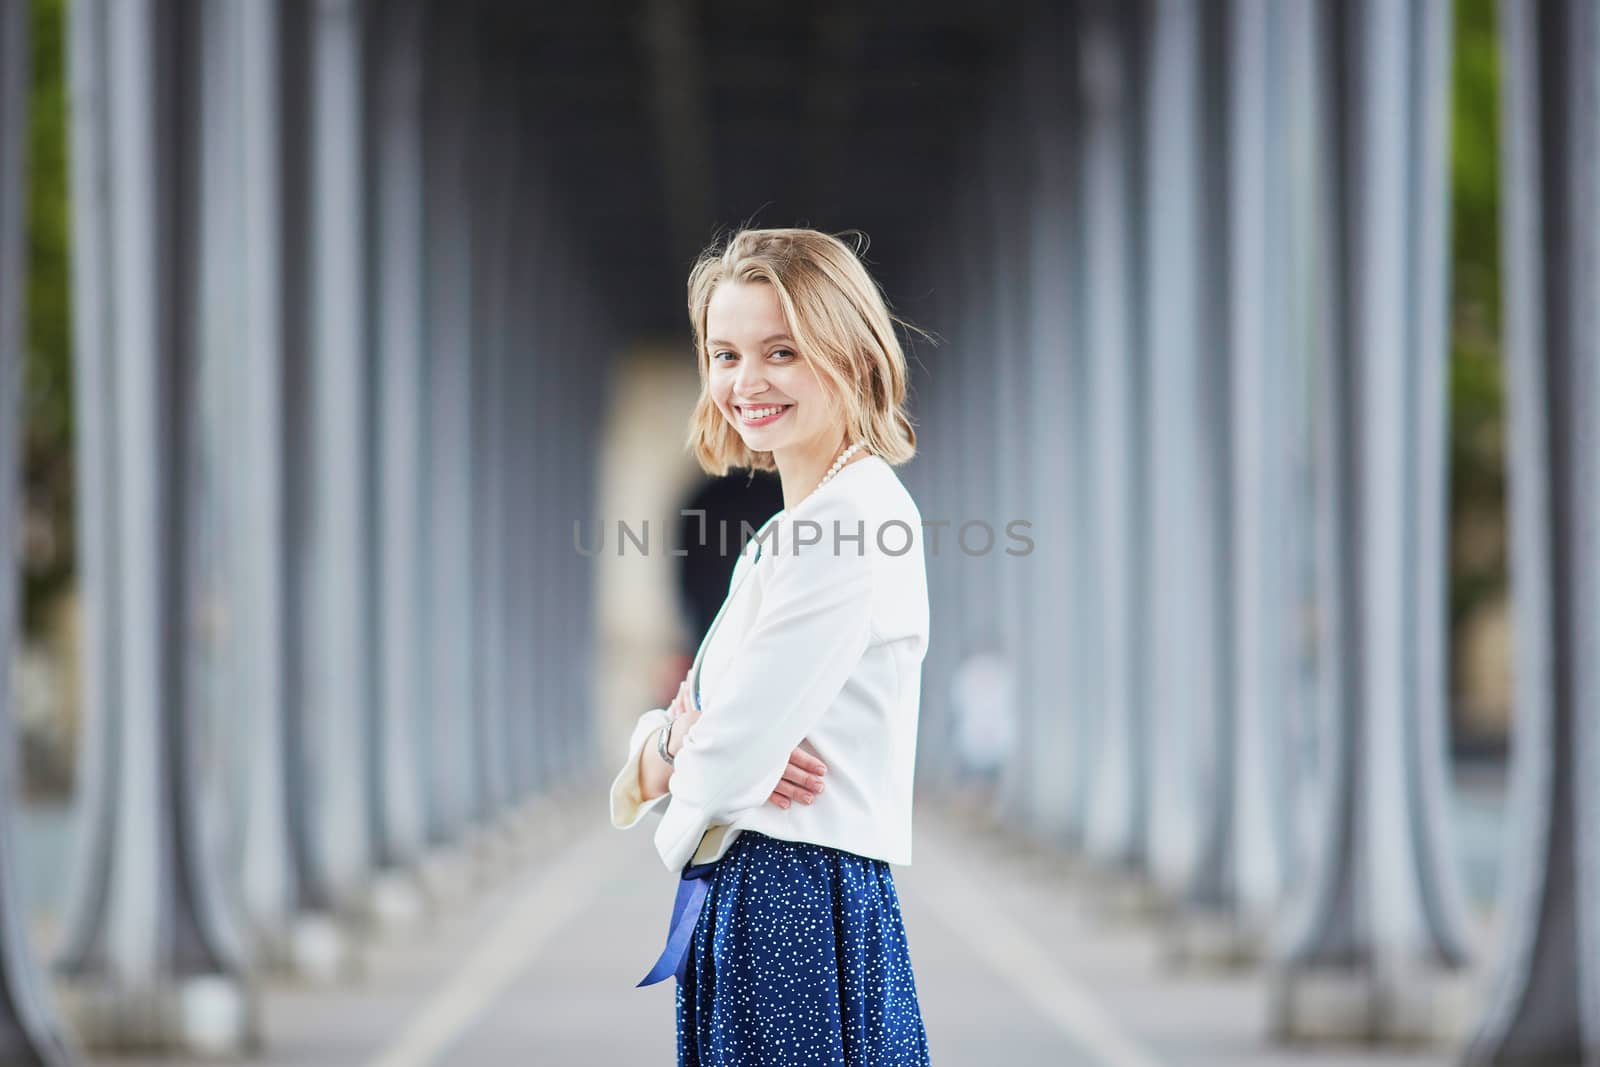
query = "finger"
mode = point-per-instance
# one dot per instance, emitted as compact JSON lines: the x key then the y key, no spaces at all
{"x":795,"y":792}
{"x":805,"y":780}
{"x":807,"y":761}
{"x":779,"y":800}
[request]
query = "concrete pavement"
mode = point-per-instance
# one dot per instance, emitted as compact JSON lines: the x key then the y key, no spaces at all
{"x":1019,"y":963}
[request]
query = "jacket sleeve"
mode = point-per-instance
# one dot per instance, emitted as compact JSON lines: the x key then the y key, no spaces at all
{"x":627,"y":806}
{"x":810,"y":633}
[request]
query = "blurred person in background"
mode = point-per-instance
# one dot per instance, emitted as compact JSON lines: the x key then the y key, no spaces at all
{"x":709,"y":521}
{"x":982,"y":694}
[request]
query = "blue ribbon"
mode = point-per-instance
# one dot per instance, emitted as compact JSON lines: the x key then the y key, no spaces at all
{"x":692,"y":888}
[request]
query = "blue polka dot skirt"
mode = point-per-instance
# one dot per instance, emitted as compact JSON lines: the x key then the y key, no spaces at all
{"x":799,"y":957}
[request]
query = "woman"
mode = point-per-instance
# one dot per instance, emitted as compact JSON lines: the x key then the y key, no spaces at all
{"x":785,"y":763}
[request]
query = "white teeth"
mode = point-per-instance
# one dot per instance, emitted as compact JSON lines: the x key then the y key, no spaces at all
{"x":761,"y":413}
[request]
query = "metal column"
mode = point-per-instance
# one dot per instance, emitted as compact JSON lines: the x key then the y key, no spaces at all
{"x":1118,"y":815}
{"x":271,"y":877}
{"x":1053,"y":665}
{"x":1377,"y":920}
{"x":152,"y":955}
{"x":1545,"y":1002}
{"x":338,"y":620}
{"x":447,"y":611}
{"x":1185,"y":640}
{"x":29,"y":1033}
{"x":398,"y":284}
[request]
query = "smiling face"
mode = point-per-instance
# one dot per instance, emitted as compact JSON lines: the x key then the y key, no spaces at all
{"x":755,"y":367}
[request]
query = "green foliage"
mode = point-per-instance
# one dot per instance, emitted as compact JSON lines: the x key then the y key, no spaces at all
{"x":47,"y":417}
{"x":1477,"y":459}
{"x":1475,"y":165}
{"x":1477,"y":480}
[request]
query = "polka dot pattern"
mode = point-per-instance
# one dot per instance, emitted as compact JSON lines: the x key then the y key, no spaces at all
{"x":799,"y":957}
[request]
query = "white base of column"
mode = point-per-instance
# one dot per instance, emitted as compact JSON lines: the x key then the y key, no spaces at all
{"x":206,"y":1015}
{"x":445,"y":876}
{"x":398,"y":905}
{"x":1214,"y":941}
{"x":1124,"y":897}
{"x":272,"y":950}
{"x":496,"y":852}
{"x":544,"y":822}
{"x":970,"y":803}
{"x":1409,"y":1005}
{"x":323,"y":950}
{"x":528,"y":819}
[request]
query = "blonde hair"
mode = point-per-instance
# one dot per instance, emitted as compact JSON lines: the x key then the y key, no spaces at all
{"x":841,"y":324}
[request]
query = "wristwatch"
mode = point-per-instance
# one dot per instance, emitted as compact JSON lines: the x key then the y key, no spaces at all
{"x":661,"y":742}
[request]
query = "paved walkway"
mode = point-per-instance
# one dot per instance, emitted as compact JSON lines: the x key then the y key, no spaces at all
{"x":1018,"y":964}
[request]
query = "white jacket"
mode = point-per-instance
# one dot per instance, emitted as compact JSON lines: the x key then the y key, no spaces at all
{"x":818,"y":645}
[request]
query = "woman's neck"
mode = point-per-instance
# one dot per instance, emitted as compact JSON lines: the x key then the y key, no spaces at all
{"x":799,"y":472}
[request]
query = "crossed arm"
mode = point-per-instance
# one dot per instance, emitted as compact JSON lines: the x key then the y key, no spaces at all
{"x":811,"y":631}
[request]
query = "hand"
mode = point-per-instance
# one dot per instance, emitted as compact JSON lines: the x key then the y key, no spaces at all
{"x":683,"y":712}
{"x":802,"y":778}
{"x":801,"y":781}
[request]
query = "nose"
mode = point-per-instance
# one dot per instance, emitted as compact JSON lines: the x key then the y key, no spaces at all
{"x":749,"y":380}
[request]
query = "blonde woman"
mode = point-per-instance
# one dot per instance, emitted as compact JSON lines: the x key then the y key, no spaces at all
{"x":785,"y":763}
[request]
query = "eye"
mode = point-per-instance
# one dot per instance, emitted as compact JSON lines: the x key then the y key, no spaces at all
{"x":722,"y":352}
{"x":783,"y":352}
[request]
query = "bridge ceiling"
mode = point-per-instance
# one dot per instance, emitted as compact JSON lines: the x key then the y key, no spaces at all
{"x":668,"y":119}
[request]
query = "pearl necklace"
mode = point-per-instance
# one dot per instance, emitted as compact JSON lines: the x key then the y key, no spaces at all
{"x":838,"y":465}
